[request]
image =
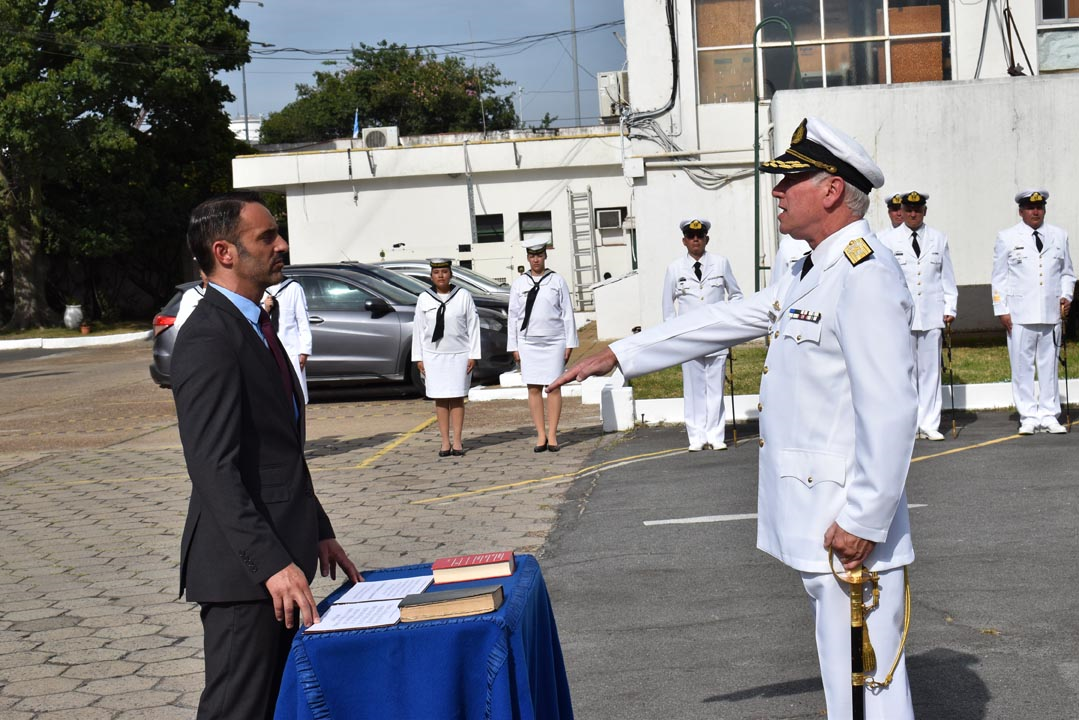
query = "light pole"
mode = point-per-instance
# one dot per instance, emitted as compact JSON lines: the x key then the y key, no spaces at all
{"x":243,"y":77}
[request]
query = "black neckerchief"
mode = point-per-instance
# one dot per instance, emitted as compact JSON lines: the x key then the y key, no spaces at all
{"x":440,"y":317}
{"x":533,"y":294}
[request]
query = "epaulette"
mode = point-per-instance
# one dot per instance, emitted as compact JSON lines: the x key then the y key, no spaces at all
{"x":857,"y":250}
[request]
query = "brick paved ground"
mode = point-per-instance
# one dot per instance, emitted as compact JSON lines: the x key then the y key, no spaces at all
{"x":93,"y":496}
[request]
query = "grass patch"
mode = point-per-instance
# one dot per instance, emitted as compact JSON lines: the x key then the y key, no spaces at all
{"x":976,"y":359}
{"x":96,"y":328}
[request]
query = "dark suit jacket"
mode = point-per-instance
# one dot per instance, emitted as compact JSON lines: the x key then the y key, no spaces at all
{"x":253,"y":509}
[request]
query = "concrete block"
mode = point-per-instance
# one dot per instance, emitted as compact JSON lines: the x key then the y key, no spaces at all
{"x":616,"y":408}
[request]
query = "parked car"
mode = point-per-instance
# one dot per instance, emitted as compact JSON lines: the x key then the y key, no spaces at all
{"x":474,"y":282}
{"x":416,"y":284}
{"x":361,"y":330}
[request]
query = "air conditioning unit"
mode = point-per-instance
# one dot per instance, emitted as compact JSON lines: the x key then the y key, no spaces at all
{"x":613,"y":94}
{"x":379,"y":137}
{"x":609,"y":219}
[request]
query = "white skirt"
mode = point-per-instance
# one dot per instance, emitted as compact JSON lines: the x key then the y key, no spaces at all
{"x":542,"y":359}
{"x":445,"y":375}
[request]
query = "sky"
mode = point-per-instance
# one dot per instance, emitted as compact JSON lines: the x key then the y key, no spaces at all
{"x":543,"y":72}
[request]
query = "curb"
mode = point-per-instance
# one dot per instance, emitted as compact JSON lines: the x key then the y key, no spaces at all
{"x":63,"y":343}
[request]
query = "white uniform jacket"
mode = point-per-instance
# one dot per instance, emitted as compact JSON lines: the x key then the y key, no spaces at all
{"x":188,"y":302}
{"x":838,"y":398}
{"x":1027,"y":284}
{"x":552,"y":313}
{"x":461,"y":331}
{"x":682,"y":291}
{"x":293,"y":328}
{"x":930,"y":276}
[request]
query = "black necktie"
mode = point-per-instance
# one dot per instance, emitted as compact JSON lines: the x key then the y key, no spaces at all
{"x":531,"y":299}
{"x":1038,"y":241}
{"x":697,"y":269}
{"x":914,"y":243}
{"x":806,"y":266}
{"x":275,"y":347}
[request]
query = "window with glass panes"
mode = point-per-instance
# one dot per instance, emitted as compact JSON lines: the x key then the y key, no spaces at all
{"x":489,"y":229}
{"x":536,"y":226}
{"x":1060,"y":10}
{"x":837,"y":42}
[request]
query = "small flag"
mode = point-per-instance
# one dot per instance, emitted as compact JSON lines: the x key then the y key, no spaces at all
{"x":356,"y":124}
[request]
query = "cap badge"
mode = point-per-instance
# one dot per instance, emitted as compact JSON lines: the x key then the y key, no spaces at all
{"x":695,"y":225}
{"x":913,"y":198}
{"x":1036,"y":197}
{"x":799,"y":132}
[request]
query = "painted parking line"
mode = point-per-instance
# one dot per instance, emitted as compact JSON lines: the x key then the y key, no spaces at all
{"x":562,"y":477}
{"x":403,"y":438}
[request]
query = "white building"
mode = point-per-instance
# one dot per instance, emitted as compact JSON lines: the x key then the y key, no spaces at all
{"x":923,"y":84}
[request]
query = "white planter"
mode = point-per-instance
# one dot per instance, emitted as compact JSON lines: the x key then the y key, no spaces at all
{"x":73,"y":317}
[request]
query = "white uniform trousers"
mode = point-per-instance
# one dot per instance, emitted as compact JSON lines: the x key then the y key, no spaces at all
{"x":1031,"y":346}
{"x":925,"y":344}
{"x":831,"y":610}
{"x":703,"y":382}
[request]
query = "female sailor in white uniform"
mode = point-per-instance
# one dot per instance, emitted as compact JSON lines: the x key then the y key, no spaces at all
{"x":446,"y":346}
{"x":542,"y":333}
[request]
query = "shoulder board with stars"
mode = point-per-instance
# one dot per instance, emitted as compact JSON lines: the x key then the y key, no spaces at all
{"x":857,"y":250}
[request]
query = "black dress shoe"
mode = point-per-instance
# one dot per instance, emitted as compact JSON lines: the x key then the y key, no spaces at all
{"x":554,"y":448}
{"x":540,"y":448}
{"x":458,"y":453}
{"x":445,"y":453}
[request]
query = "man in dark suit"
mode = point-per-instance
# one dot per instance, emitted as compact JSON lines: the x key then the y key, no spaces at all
{"x":255,"y":530}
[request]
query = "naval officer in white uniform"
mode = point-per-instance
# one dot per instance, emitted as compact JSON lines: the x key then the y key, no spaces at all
{"x":838,"y":402}
{"x":446,"y":346}
{"x":699,"y":278}
{"x":922,"y":252}
{"x":1033,"y":282}
{"x":541,"y":334}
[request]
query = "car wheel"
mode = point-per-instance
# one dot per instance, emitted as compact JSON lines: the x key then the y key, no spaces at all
{"x":416,"y":380}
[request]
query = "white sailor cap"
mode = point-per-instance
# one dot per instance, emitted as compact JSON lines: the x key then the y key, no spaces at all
{"x":1032,"y":195}
{"x":695,"y":224}
{"x":533,"y":246}
{"x":816,"y":145}
{"x":439,"y":262}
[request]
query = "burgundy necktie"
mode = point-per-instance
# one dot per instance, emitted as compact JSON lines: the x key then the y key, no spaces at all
{"x":275,"y":347}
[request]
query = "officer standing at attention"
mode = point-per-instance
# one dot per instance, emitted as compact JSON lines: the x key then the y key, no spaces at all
{"x":922,"y":253}
{"x":895,"y":213}
{"x":698,"y":278}
{"x":1033,"y":282}
{"x":840,"y":351}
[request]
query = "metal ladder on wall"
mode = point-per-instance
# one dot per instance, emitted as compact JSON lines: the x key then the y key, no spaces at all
{"x":583,"y":234}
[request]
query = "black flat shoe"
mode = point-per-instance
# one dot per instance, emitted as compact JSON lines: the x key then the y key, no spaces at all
{"x":445,"y":453}
{"x":553,"y":448}
{"x":540,"y":448}
{"x":458,"y":453}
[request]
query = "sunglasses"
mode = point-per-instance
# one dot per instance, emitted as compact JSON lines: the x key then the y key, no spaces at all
{"x":694,"y":233}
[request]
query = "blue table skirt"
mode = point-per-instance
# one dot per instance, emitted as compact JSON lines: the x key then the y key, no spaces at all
{"x":502,"y":665}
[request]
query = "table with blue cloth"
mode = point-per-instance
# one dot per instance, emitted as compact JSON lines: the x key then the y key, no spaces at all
{"x":501,"y":665}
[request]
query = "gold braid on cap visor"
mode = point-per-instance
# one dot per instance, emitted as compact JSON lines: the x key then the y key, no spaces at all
{"x":815,"y":163}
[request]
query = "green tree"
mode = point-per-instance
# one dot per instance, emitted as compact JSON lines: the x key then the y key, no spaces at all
{"x":112,"y":128}
{"x":389,"y":84}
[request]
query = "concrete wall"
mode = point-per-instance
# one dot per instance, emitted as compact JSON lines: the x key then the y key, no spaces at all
{"x":357,"y":204}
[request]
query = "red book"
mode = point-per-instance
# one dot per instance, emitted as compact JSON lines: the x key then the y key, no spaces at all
{"x":473,"y":567}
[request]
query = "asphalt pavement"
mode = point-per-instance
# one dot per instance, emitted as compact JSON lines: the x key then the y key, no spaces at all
{"x":664,"y":607}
